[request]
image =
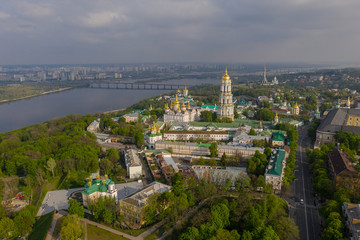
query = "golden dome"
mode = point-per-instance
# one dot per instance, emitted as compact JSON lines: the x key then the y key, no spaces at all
{"x":348,"y":101}
{"x":166,"y":107}
{"x":150,"y":108}
{"x":183,"y":105}
{"x":188,"y":106}
{"x":171,"y":104}
{"x":176,"y":101}
{"x":276,"y":116}
{"x":226,"y":76}
{"x":185,"y":88}
{"x":296,"y":105}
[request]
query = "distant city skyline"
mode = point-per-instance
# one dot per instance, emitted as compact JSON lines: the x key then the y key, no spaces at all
{"x":207,"y":31}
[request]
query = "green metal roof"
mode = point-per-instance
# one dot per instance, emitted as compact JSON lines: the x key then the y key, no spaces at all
{"x":154,"y":135}
{"x":235,"y":124}
{"x":278,"y":136}
{"x":209,"y":106}
{"x":203,"y":144}
{"x":276,"y":162}
{"x":97,"y":186}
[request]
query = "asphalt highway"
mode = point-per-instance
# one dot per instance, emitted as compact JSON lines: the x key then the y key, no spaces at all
{"x":305,"y":213}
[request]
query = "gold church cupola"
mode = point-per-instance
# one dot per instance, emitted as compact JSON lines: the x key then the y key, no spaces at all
{"x":226,"y":76}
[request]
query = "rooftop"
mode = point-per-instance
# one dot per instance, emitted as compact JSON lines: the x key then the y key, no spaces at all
{"x":278,"y":136}
{"x":235,"y":124}
{"x":275,"y":165}
{"x":336,"y":119}
{"x":353,"y":213}
{"x":139,"y":198}
{"x":214,"y":107}
{"x":97,"y":185}
{"x":131,"y":158}
{"x":340,"y":162}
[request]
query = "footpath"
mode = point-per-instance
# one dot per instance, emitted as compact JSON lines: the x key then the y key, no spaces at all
{"x":50,"y":234}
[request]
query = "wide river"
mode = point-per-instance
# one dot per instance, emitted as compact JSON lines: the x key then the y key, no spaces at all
{"x":17,"y":114}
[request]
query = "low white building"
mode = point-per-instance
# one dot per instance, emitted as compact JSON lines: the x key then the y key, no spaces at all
{"x":133,"y":163}
{"x":154,"y":134}
{"x":244,"y":139}
{"x":94,"y":126}
{"x":196,"y":135}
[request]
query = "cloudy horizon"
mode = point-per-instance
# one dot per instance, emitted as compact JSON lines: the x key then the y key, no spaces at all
{"x":88,"y":31}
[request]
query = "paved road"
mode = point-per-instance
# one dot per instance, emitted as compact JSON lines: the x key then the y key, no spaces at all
{"x":306,"y":216}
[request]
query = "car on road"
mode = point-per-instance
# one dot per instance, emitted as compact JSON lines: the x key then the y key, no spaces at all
{"x":302,"y":201}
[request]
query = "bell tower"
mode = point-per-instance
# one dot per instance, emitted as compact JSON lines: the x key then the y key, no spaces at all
{"x":226,"y":106}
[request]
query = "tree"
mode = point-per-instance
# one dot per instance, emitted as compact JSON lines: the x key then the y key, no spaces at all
{"x":236,"y":114}
{"x":264,"y":114}
{"x":50,"y":165}
{"x":212,"y":162}
{"x":285,"y":227}
{"x":206,"y":116}
{"x":7,"y":228}
{"x":113,"y":155}
{"x":213,"y":150}
{"x":76,"y":208}
{"x":267,"y":152}
{"x":24,"y":221}
{"x":178,"y":185}
{"x":252,"y":132}
{"x":191,"y":233}
{"x":246,"y":235}
{"x":220,"y":214}
{"x":71,"y":228}
{"x":106,"y":165}
{"x":223,"y":159}
{"x":139,"y":139}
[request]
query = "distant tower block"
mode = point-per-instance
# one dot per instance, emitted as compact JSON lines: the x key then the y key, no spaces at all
{"x":265,"y":79}
{"x":226,"y":107}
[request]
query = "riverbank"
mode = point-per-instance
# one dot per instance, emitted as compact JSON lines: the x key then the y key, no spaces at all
{"x":36,"y":95}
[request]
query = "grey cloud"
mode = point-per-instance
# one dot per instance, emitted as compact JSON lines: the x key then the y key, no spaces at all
{"x":89,"y":31}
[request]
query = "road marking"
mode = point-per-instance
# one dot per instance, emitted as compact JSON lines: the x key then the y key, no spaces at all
{"x":302,"y":172}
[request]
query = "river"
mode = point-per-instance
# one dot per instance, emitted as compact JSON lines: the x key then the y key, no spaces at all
{"x":18,"y":114}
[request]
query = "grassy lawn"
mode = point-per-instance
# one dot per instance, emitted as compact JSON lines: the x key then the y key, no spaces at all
{"x":48,"y":186}
{"x":95,"y":233}
{"x":41,"y":227}
{"x":133,"y":232}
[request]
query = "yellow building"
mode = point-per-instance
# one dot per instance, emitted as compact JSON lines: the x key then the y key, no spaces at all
{"x":131,"y":117}
{"x":296,"y":110}
{"x":132,"y":207}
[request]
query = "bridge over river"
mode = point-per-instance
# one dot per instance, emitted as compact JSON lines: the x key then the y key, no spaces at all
{"x":140,"y":86}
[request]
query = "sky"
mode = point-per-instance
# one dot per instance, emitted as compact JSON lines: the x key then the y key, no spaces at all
{"x":139,"y":31}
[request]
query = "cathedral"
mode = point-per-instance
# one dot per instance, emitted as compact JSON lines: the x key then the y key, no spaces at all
{"x":226,"y":106}
{"x":183,"y":113}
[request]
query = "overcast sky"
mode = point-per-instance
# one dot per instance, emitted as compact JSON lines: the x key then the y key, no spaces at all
{"x":125,"y":31}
